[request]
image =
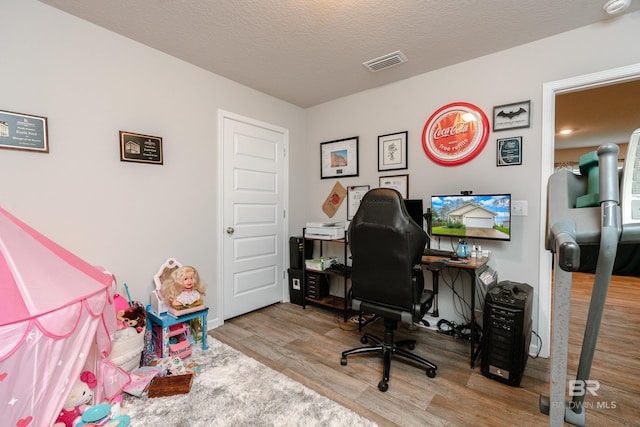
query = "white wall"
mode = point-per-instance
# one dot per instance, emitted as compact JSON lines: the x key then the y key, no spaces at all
{"x":510,"y":76}
{"x":130,"y":217}
{"x":90,"y":84}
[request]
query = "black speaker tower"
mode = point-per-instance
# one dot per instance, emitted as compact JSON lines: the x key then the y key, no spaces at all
{"x":507,"y":331}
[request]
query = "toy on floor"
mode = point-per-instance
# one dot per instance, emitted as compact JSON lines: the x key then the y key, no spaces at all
{"x":78,"y":400}
{"x":105,"y":415}
{"x":175,"y":366}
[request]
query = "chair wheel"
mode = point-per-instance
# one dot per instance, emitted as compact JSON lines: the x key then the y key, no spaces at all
{"x":364,"y":340}
{"x":431,"y":373}
{"x":411,"y":346}
{"x":383,"y":386}
{"x":343,"y":361}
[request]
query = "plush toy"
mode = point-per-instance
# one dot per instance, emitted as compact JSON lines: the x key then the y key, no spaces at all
{"x":134,"y":317}
{"x":78,"y":400}
{"x":129,"y":315}
{"x":183,"y":288}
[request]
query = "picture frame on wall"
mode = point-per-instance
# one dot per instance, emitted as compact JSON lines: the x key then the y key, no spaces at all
{"x":139,"y":148}
{"x":355,"y":193}
{"x":509,"y":151}
{"x":512,"y":116}
{"x":339,"y":158}
{"x":392,"y":151}
{"x":397,"y":182}
{"x":24,"y":132}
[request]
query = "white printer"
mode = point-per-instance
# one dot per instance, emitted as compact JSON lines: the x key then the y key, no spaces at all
{"x":324,"y":230}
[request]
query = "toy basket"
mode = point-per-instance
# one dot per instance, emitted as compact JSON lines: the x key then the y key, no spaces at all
{"x":127,"y":348}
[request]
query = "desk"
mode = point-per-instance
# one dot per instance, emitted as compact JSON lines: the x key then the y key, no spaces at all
{"x":165,"y":320}
{"x":472,"y":266}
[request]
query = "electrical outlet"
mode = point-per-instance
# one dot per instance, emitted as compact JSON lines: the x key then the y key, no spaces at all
{"x":519,"y":208}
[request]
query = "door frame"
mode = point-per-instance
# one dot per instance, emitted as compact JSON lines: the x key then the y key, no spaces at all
{"x":222,"y":115}
{"x":549,"y":92}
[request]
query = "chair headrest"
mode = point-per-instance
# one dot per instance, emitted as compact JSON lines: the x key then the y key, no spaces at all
{"x":381,"y":205}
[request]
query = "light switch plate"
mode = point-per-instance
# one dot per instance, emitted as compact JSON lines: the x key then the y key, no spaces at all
{"x":519,"y":208}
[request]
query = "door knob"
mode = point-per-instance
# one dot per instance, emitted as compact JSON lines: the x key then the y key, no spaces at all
{"x":230,"y":230}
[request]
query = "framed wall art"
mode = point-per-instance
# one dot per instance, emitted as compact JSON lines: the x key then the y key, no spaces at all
{"x":455,"y":134}
{"x":512,"y":116}
{"x":135,"y":147}
{"x":509,"y":151}
{"x":23,"y":132}
{"x":339,"y":158}
{"x":392,"y":151}
{"x":397,"y":182}
{"x":355,"y":193}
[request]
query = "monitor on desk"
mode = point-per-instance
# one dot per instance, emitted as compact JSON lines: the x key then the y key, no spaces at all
{"x":415,"y":210}
{"x":485,"y":216}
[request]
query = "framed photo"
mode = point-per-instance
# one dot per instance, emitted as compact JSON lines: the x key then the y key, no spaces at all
{"x":392,"y":151}
{"x":509,"y":151}
{"x":135,"y":147}
{"x":339,"y":158}
{"x":23,"y":132}
{"x":512,"y":116}
{"x":397,"y":182}
{"x":355,"y":194}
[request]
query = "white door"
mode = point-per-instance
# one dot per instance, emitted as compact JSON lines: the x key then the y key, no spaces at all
{"x":254,"y":171}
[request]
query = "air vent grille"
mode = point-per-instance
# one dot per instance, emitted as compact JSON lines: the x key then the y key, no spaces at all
{"x":385,"y":61}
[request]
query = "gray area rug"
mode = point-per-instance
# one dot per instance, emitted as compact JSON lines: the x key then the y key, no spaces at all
{"x":234,"y":390}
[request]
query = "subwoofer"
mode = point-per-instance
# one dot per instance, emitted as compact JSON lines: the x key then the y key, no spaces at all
{"x":507,"y":331}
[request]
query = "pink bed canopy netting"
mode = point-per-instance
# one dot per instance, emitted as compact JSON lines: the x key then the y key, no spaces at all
{"x":56,"y":320}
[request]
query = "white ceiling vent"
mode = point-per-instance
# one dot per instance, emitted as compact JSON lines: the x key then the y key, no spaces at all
{"x":385,"y":61}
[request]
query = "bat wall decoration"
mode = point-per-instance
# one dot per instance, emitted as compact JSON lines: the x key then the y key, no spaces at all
{"x":512,"y":116}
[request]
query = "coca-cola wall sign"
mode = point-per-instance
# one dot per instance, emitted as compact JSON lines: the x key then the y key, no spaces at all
{"x":455,"y":134}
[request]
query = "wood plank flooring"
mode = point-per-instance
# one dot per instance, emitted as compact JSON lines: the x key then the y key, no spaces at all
{"x":305,"y":344}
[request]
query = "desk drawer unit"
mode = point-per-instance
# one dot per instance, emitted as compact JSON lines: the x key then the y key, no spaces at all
{"x":317,"y":285}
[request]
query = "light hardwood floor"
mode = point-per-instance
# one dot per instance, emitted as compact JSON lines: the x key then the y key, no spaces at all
{"x":305,"y":344}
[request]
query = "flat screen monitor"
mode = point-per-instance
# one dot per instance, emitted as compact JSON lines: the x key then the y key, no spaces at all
{"x":415,"y":210}
{"x":486,"y":216}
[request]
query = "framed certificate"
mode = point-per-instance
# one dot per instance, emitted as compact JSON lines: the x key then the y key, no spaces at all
{"x":23,"y":132}
{"x":355,"y":193}
{"x":135,"y":147}
{"x":509,"y":151}
{"x":397,"y":182}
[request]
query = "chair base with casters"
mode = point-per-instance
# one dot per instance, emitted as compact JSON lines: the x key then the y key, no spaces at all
{"x":387,"y":347}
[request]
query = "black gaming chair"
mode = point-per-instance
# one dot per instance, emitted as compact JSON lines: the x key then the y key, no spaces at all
{"x":386,"y":275}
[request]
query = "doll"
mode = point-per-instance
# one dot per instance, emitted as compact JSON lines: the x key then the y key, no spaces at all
{"x":78,"y":400}
{"x":183,"y":288}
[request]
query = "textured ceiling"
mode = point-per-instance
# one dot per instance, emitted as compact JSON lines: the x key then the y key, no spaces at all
{"x":308,"y":52}
{"x":598,"y":115}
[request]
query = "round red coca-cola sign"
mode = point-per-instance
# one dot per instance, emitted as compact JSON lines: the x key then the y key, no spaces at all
{"x":455,"y":134}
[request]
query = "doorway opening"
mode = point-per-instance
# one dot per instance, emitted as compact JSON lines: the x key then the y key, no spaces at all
{"x":550,"y":91}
